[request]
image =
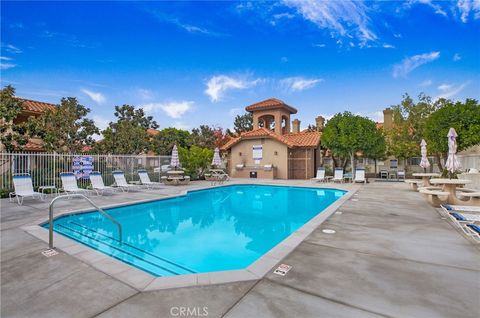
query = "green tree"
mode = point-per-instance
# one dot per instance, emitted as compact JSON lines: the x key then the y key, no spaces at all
{"x":12,"y":136}
{"x":163,"y":142}
{"x":196,"y":160}
{"x":128,"y":135}
{"x":204,"y":137}
{"x":409,"y":120}
{"x":243,"y":123}
{"x":65,"y":128}
{"x":464,"y":117}
{"x":346,"y":135}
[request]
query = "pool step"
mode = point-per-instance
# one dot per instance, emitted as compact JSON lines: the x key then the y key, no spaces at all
{"x":124,"y":252}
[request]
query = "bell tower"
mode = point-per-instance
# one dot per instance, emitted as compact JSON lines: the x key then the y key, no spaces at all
{"x":272,"y":114}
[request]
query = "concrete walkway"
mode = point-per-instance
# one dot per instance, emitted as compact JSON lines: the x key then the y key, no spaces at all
{"x":392,"y":256}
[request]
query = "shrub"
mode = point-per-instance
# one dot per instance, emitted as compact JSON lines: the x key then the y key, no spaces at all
{"x":195,"y":160}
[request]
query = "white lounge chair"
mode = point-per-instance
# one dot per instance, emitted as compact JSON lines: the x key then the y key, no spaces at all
{"x":22,"y":182}
{"x":338,"y":175}
{"x":98,"y":185}
{"x":121,"y":182}
{"x":360,"y":176}
{"x":320,"y":177}
{"x":145,"y":179}
{"x":69,"y":184}
{"x":460,"y":208}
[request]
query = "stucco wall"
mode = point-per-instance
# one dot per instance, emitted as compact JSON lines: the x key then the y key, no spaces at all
{"x":269,"y":147}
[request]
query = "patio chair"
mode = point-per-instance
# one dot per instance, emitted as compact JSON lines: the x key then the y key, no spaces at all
{"x":98,"y":185}
{"x":401,"y":175}
{"x":69,"y":184}
{"x":473,"y":231}
{"x":360,"y":176}
{"x":22,"y":182}
{"x":383,"y":174}
{"x":320,"y":177}
{"x":145,"y":179}
{"x":122,"y":183}
{"x":460,"y":208}
{"x":338,"y":175}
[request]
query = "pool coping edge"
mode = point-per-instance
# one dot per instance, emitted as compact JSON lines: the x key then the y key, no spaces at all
{"x":144,"y":281}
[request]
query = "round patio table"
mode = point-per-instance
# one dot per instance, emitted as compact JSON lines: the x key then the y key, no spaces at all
{"x":450,"y":186}
{"x":426,"y":177}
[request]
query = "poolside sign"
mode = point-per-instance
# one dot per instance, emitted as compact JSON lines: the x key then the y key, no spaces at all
{"x":257,"y":153}
{"x":82,"y":166}
{"x":283,"y":269}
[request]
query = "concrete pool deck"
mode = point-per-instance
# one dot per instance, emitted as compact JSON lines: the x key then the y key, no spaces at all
{"x":392,"y":256}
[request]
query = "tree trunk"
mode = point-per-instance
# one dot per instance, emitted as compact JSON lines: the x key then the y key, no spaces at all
{"x":439,"y":162}
{"x":334,"y":162}
{"x":352,"y":163}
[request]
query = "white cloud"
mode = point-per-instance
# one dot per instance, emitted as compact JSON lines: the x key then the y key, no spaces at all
{"x":11,"y":48}
{"x":284,"y":59}
{"x":426,"y":83}
{"x":410,"y":63}
{"x":218,"y":85}
{"x":181,"y":125}
{"x":435,"y":6}
{"x":97,"y":97}
{"x":101,"y":123}
{"x":388,"y":46}
{"x":456,"y":57}
{"x":449,"y":90}
{"x":160,"y":16}
{"x":144,"y":94}
{"x":4,"y":58}
{"x":343,"y":18}
{"x":319,"y":45}
{"x":173,"y":109}
{"x":298,"y":84}
{"x":280,"y":16}
{"x":467,"y":8}
{"x":6,"y":66}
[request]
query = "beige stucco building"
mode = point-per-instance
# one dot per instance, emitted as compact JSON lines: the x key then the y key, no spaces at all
{"x":273,"y":149}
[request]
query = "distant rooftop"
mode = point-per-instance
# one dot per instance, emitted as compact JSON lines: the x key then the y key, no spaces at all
{"x":33,"y":106}
{"x":271,"y":103}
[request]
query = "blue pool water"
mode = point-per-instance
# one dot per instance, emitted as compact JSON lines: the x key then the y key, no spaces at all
{"x":223,"y":228}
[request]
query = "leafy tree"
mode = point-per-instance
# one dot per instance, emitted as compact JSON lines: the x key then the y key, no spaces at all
{"x":128,"y":135}
{"x":195,"y":160}
{"x":204,"y":137}
{"x":12,"y":136}
{"x":163,"y":142}
{"x":464,"y":117}
{"x":347,"y":134}
{"x":409,"y":120}
{"x":243,"y":123}
{"x":65,"y":128}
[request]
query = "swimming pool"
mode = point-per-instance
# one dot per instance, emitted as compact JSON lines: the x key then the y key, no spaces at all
{"x":216,"y":229}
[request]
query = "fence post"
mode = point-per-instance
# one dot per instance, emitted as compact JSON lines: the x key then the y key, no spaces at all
{"x":54,"y":168}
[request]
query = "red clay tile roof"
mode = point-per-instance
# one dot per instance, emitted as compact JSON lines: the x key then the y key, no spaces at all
{"x":34,"y":106}
{"x":300,"y":140}
{"x":152,"y":132}
{"x":304,"y":139}
{"x":270,"y":104}
{"x":379,"y":125}
{"x":34,"y":144}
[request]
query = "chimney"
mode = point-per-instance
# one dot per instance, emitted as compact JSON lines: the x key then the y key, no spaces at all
{"x":295,"y":126}
{"x":387,"y":118}
{"x":320,"y":123}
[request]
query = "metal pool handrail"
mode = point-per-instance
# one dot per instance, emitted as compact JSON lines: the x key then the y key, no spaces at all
{"x":50,"y":210}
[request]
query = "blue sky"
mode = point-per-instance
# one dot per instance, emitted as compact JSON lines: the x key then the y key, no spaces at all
{"x":192,"y":63}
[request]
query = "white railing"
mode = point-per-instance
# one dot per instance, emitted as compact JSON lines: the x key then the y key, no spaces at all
{"x":45,"y":167}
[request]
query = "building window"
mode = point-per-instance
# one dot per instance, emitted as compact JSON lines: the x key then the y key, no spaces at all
{"x":239,"y":154}
{"x":276,"y":153}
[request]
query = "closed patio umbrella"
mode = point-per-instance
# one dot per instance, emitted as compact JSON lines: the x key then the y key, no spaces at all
{"x":175,"y":162}
{"x":452,"y":163}
{"x":424,"y":163}
{"x":216,"y":161}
